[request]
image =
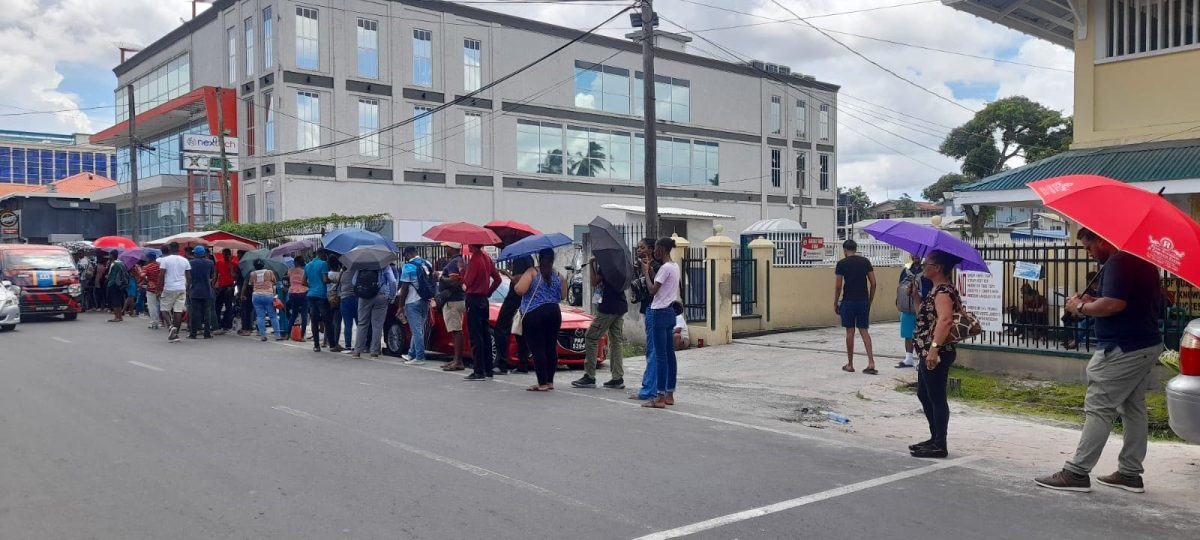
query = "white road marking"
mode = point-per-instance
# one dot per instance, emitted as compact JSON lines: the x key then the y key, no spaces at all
{"x":147,"y":366}
{"x":802,"y":501}
{"x":299,"y":413}
{"x":60,"y":340}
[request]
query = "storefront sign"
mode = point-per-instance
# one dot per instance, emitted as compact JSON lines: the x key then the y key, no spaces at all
{"x":983,"y":295}
{"x":10,"y":223}
{"x":1027,"y":270}
{"x":207,"y":144}
{"x":812,"y":248}
{"x":206,"y":162}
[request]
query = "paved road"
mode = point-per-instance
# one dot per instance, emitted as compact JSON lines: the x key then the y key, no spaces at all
{"x":107,"y":431}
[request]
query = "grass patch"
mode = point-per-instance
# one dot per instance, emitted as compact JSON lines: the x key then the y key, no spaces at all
{"x":1053,"y":400}
{"x":632,"y":350}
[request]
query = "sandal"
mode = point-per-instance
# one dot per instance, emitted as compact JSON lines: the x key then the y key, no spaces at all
{"x":654,"y":404}
{"x":536,"y":388}
{"x":870,"y":371}
{"x":453,"y":368}
{"x":847,"y":369}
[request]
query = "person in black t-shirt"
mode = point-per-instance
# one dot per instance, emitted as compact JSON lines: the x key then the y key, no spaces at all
{"x":609,"y":319}
{"x":853,"y":292}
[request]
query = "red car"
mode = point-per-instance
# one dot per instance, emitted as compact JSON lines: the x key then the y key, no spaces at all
{"x":571,"y":343}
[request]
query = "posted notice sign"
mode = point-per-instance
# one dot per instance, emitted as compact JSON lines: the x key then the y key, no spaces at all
{"x":206,"y":162}
{"x":983,"y":295}
{"x":812,"y":248}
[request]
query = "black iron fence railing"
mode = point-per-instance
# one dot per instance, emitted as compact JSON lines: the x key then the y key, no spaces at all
{"x":745,"y":286}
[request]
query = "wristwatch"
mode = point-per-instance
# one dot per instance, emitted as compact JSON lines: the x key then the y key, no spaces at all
{"x":1082,"y":304}
{"x":935,"y":345}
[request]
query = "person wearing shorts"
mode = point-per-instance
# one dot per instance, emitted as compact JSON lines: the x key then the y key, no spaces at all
{"x":853,"y":292}
{"x":454,"y":308}
{"x":174,"y":274}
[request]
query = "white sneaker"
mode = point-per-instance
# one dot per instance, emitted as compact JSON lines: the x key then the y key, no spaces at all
{"x":348,"y":351}
{"x":406,"y":358}
{"x":414,"y":362}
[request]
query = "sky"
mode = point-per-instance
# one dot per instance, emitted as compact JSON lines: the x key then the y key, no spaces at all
{"x":70,"y":69}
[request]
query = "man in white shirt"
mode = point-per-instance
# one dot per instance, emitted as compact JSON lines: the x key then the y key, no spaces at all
{"x":175,"y":277}
{"x":682,"y":337}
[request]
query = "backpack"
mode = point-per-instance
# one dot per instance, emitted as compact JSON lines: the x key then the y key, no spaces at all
{"x":424,"y":285}
{"x":904,"y":299}
{"x":366,"y":284}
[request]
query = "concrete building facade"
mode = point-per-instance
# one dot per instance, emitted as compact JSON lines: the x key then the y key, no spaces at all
{"x":320,"y":83}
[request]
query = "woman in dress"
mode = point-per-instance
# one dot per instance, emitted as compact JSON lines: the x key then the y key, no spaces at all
{"x":934,"y":320}
{"x":541,"y":289}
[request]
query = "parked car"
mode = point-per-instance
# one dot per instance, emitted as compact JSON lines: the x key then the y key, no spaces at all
{"x":1183,"y":392}
{"x":47,"y":278}
{"x":10,"y":305}
{"x":571,"y":343}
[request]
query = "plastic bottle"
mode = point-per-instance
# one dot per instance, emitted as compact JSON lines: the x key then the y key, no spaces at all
{"x":838,"y":418}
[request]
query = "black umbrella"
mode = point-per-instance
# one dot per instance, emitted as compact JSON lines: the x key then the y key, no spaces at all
{"x":368,"y":258}
{"x":246,"y":263}
{"x":611,"y":252}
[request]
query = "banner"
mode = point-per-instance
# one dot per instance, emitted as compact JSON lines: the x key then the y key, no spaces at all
{"x":206,"y":162}
{"x":812,"y":248}
{"x":207,"y":144}
{"x":983,"y":295}
{"x":10,"y":223}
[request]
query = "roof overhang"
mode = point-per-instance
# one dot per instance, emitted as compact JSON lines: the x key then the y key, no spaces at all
{"x":1027,"y":197}
{"x":668,"y":212}
{"x":154,"y":185}
{"x":1051,"y":20}
{"x":181,"y":111}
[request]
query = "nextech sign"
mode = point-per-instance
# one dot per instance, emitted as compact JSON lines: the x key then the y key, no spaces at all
{"x":193,"y":142}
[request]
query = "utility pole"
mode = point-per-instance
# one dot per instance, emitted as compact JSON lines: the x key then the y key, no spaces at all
{"x":223,"y":176}
{"x":648,"y":113}
{"x":134,"y":214}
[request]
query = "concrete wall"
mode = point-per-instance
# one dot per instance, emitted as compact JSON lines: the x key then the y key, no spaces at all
{"x":803,"y":298}
{"x":1041,"y":365}
{"x":1133,"y":100}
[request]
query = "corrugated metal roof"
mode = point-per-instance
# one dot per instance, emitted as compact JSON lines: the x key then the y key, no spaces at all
{"x":1177,"y":160}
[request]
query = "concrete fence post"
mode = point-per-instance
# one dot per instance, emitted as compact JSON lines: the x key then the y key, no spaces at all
{"x":763,"y":253}
{"x":719,"y":281}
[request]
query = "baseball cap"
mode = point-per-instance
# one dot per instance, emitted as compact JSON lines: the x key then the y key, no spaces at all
{"x":199,"y":251}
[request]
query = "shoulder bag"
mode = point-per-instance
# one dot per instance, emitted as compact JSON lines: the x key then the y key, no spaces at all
{"x":518,"y":324}
{"x":965,"y":324}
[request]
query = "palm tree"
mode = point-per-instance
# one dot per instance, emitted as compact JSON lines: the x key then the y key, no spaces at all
{"x":592,"y":165}
{"x":553,"y":163}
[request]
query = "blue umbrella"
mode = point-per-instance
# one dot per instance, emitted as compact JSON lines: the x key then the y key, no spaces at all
{"x":921,"y":240}
{"x":343,"y":240}
{"x":530,"y":245}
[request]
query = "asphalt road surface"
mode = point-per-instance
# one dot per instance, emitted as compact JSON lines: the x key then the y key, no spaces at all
{"x":107,"y":431}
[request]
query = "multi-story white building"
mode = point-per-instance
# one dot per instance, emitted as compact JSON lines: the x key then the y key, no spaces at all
{"x":549,"y":146}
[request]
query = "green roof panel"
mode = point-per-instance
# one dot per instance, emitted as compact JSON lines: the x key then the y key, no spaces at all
{"x":1147,"y":162}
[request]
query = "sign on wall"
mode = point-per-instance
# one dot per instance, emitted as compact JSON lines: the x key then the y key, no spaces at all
{"x":1027,"y":270}
{"x":10,"y":223}
{"x":207,"y":144}
{"x":983,"y":295}
{"x":812,"y":248}
{"x":206,"y":162}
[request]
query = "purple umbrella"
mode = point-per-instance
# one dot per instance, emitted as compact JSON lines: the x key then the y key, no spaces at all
{"x":921,"y":240}
{"x":130,"y":257}
{"x":294,"y":247}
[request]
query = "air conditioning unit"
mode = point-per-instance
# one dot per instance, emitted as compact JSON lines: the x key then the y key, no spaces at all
{"x":772,"y":68}
{"x":784,"y":70}
{"x":759,"y":65}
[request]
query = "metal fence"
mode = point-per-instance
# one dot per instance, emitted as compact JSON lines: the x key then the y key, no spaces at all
{"x":745,"y":285}
{"x":694,"y":285}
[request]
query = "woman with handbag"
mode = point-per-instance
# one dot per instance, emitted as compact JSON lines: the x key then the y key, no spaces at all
{"x":936,"y":351}
{"x":539,"y":318}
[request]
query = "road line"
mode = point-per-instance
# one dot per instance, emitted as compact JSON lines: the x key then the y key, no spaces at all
{"x":60,"y":340}
{"x":299,"y":413}
{"x":805,"y":500}
{"x":147,"y":366}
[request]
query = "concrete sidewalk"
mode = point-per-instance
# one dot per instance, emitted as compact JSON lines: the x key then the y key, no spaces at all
{"x":792,"y":381}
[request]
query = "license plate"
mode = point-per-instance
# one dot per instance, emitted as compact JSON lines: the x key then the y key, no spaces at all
{"x":577,"y":343}
{"x":46,"y":308}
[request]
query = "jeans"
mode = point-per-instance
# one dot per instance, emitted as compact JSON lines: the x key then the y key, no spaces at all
{"x":152,"y":306}
{"x":348,"y":311}
{"x":931,"y":390}
{"x":297,"y":310}
{"x":663,"y":327}
{"x":199,"y":316}
{"x":225,"y":307}
{"x":140,"y":305}
{"x":417,"y":314}
{"x":264,"y":306}
{"x":371,"y":314}
{"x":650,"y":376}
{"x":1117,"y":382}
{"x":318,"y":313}
{"x":614,"y":326}
{"x":477,"y":330}
{"x":540,"y":328}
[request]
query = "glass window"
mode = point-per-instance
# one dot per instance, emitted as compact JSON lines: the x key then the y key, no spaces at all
{"x":308,"y":43}
{"x":801,"y":122}
{"x":162,"y":160}
{"x":423,"y":134}
{"x":472,"y":64}
{"x":249,"y":41}
{"x":776,"y":115}
{"x":48,"y":165}
{"x":308,"y":120}
{"x":801,"y":173}
{"x":251,"y":209}
{"x":268,"y":32}
{"x":60,"y":165}
{"x":368,"y":48}
{"x":231,"y":38}
{"x":368,"y":127}
{"x":422,"y":57}
{"x":619,"y":158}
{"x":18,"y":165}
{"x":101,"y":164}
{"x":823,"y":122}
{"x":269,"y":120}
{"x":473,"y":138}
{"x":824,"y":178}
{"x":776,"y":166}
{"x":604,"y":88}
{"x":672,"y":98}
{"x":33,"y":166}
{"x":250,"y":146}
{"x":75,"y":162}
{"x":539,"y":147}
{"x":5,"y":163}
{"x":269,"y":202}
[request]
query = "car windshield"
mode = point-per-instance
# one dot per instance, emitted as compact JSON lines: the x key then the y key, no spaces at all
{"x":38,"y":260}
{"x":501,"y":291}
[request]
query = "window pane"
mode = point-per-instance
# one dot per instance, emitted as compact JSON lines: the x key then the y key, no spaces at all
{"x":422,"y":57}
{"x":231,"y":46}
{"x":368,"y":48}
{"x":307,"y":39}
{"x":368,"y":127}
{"x":268,"y":38}
{"x":423,"y":134}
{"x":472,"y":65}
{"x":473,"y":139}
{"x":248,"y":26}
{"x":308,"y":114}
{"x":588,"y":89}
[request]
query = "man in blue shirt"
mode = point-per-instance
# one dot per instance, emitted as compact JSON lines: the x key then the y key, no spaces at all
{"x":1126,"y":309}
{"x":415,"y":312}
{"x":316,"y":275}
{"x":203,"y":276}
{"x":372,"y":309}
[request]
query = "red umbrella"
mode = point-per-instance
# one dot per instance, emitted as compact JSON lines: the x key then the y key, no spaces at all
{"x":462,"y":233}
{"x":511,"y":231}
{"x":1132,"y":219}
{"x":233,"y":245}
{"x":109,"y":243}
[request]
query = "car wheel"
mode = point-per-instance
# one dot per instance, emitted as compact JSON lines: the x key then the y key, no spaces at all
{"x":395,"y":343}
{"x":573,"y":297}
{"x":8,"y":327}
{"x":70,"y":316}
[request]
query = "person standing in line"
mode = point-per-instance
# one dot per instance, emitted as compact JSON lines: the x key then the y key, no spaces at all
{"x":454,"y":305}
{"x":504,"y":321}
{"x":416,"y":277}
{"x":664,"y":285}
{"x":153,"y":284}
{"x":541,"y":290}
{"x":852,"y":298}
{"x":610,"y":320}
{"x":316,"y":278}
{"x":117,"y":283}
{"x":226,"y":301}
{"x":174,"y":279}
{"x":297,"y":302}
{"x":641,"y":288}
{"x":376,"y":290}
{"x":347,"y":312}
{"x":1126,"y":308}
{"x":201,"y":293}
{"x":334,"y":319}
{"x":100,"y":282}
{"x":131,"y":290}
{"x":262,"y":282}
{"x":245,"y":299}
{"x":908,"y":302}
{"x":86,"y":269}
{"x":480,"y":280}
{"x":934,"y":320}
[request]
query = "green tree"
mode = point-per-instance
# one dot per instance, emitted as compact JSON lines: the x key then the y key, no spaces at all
{"x":854,"y":203}
{"x":906,"y":206}
{"x":590,"y":165}
{"x":1005,"y":129}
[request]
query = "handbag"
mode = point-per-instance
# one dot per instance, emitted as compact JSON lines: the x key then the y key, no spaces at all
{"x":518,"y":325}
{"x":964,"y":324}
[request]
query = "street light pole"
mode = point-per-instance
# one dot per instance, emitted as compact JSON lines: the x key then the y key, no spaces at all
{"x":134,"y":218}
{"x":650,"y":149}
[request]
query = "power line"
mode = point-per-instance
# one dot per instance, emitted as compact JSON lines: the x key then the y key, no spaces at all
{"x":31,"y":111}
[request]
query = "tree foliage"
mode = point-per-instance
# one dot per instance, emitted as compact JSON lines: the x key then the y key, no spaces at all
{"x":274,"y":231}
{"x":906,"y":206}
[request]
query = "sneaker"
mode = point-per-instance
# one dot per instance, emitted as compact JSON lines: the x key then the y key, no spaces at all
{"x":920,"y":445}
{"x":220,"y":332}
{"x":406,"y":358}
{"x":584,"y":382}
{"x":1065,"y":480}
{"x":412,"y":362}
{"x":348,"y":351}
{"x":930,"y":451}
{"x":263,"y":338}
{"x":1130,"y":483}
{"x":280,"y":338}
{"x":615,"y":384}
{"x":475,"y":377}
{"x":335,"y":348}
{"x":173,"y":337}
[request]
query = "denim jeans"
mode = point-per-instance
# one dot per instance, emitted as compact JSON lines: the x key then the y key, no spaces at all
{"x":349,"y":315}
{"x":417,"y":314}
{"x":264,"y":306}
{"x":663,"y":328}
{"x":650,"y":376}
{"x":318,"y":313}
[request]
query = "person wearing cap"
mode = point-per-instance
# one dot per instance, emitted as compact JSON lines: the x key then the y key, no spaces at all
{"x":203,"y":277}
{"x":153,"y":284}
{"x":117,"y":281}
